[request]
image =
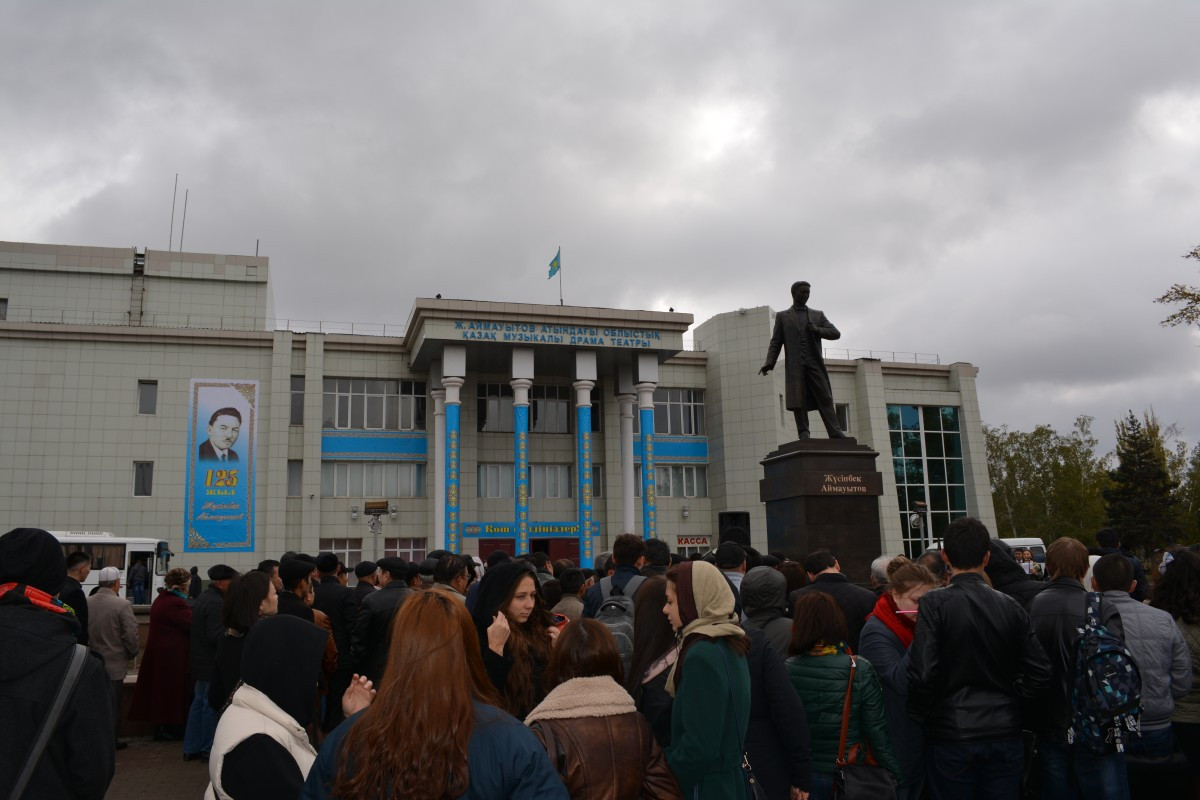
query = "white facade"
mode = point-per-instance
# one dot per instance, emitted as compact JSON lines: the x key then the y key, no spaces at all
{"x":87,"y":331}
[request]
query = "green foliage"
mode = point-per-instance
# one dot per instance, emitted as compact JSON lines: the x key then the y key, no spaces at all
{"x":1189,"y":496}
{"x":1143,"y":504}
{"x":1047,"y":484}
{"x":1189,"y":296}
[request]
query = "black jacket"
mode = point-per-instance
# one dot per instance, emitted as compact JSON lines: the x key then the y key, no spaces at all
{"x":79,"y":759}
{"x":338,"y":603}
{"x":854,"y":601}
{"x":1057,"y":615}
{"x":361,"y":592}
{"x":373,"y":629}
{"x":973,"y":661}
{"x":777,"y":736}
{"x":206,"y":631}
{"x":72,"y":594}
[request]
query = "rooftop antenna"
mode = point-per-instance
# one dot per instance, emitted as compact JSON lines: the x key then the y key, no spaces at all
{"x":174,"y":194}
{"x":256,"y":248}
{"x":183,"y":225}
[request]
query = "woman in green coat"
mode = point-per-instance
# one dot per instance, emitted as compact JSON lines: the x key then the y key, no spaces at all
{"x":710,"y":683}
{"x":820,"y":669}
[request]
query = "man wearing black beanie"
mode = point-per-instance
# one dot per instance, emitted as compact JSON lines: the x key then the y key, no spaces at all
{"x":39,"y":636}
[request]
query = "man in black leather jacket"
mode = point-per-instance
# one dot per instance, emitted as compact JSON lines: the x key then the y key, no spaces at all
{"x":1058,"y":614}
{"x":973,"y":661}
{"x":372,"y":634}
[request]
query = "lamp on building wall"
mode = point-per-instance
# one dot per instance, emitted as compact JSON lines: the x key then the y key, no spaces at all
{"x":353,"y":512}
{"x":392,"y":510}
{"x":685,"y":512}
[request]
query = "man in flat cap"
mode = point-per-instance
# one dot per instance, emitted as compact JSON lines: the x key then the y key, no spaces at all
{"x":39,"y":636}
{"x":113,"y":634}
{"x":206,"y":632}
{"x":373,"y":628}
{"x":336,"y":601}
{"x":367,"y":573}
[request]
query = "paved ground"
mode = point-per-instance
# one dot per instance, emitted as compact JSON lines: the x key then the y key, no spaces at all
{"x":153,"y":770}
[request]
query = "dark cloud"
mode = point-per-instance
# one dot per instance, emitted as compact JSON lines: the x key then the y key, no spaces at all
{"x":1006,"y":184}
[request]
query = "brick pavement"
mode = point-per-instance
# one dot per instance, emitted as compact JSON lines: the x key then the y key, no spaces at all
{"x":150,"y":770}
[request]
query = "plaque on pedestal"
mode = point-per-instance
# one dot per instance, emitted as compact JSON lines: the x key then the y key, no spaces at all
{"x":824,"y":493}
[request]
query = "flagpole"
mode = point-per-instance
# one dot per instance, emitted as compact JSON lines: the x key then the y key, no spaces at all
{"x":560,"y":294}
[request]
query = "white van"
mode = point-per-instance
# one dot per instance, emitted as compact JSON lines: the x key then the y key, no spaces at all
{"x":110,"y":550}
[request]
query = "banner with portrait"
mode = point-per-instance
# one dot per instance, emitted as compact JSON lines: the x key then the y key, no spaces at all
{"x":219,"y":485}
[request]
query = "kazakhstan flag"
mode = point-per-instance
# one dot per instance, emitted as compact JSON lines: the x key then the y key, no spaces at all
{"x":555,"y":264}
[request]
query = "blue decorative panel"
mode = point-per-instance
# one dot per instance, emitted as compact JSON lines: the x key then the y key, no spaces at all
{"x":676,"y":449}
{"x":374,"y":445}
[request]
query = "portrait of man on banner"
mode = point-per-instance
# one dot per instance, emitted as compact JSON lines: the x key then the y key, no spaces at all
{"x":219,"y":507}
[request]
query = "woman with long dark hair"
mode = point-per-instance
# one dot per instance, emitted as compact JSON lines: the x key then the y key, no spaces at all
{"x":884,"y":641}
{"x":433,"y":731}
{"x":599,"y":744}
{"x":710,"y":682}
{"x":515,"y":634}
{"x":655,"y":649}
{"x":820,"y":671}
{"x":250,"y":598}
{"x":1178,"y":593}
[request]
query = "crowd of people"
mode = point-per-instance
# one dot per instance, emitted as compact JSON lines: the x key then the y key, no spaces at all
{"x":733,"y":674}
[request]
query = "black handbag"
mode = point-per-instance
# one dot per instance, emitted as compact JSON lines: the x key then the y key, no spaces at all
{"x":853,"y":780}
{"x":754,"y":790}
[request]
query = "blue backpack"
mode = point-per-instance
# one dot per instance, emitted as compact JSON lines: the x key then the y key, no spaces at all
{"x":1106,"y":698}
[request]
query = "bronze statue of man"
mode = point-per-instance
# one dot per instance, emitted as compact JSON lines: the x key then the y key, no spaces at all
{"x":801,"y":329}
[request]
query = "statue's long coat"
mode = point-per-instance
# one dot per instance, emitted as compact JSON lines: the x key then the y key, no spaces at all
{"x":790,"y":327}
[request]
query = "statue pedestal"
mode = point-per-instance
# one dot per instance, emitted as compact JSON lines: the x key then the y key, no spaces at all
{"x":823,"y":493}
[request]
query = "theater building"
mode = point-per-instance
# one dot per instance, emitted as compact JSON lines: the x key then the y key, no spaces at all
{"x":155,"y":393}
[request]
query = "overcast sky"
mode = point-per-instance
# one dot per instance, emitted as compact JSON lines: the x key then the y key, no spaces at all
{"x":1004,"y":183}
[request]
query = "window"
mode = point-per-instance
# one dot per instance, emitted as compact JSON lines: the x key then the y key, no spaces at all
{"x":550,"y":409}
{"x":297,"y":400}
{"x":597,"y":480}
{"x":143,"y":478}
{"x":295,"y":478}
{"x":408,"y":549}
{"x":495,"y":408}
{"x":843,"y":416}
{"x":550,"y":481}
{"x":685,"y":480}
{"x":927,"y":460}
{"x":495,"y":480}
{"x":147,"y":397}
{"x":3,"y":308}
{"x":677,"y":412}
{"x":371,"y":404}
{"x":379,"y":479}
{"x":687,"y":551}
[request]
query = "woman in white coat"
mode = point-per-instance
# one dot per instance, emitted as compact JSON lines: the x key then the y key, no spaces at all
{"x":261,"y":749}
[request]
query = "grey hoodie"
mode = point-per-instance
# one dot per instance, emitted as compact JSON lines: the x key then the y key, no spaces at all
{"x":764,"y":601}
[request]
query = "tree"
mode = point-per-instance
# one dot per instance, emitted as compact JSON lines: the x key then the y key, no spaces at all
{"x":1142,"y":502}
{"x":1189,"y":497}
{"x":1045,"y":484}
{"x":1189,"y":296}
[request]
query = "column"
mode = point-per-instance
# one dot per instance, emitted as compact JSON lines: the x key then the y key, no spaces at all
{"x":520,"y":387}
{"x":628,"y":506}
{"x":454,"y":367}
{"x":436,"y":470}
{"x":645,"y":393}
{"x":522,"y":379}
{"x":585,"y":381}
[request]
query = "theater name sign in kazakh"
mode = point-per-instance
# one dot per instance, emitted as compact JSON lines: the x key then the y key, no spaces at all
{"x":545,"y":333}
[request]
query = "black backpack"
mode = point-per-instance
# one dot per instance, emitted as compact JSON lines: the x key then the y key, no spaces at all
{"x":1106,"y":698}
{"x":616,"y":613}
